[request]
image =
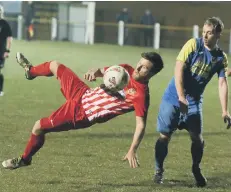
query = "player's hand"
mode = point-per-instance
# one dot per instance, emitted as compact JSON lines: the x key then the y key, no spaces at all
{"x":227,"y":119}
{"x":90,"y":75}
{"x":6,"y":55}
{"x":132,"y":158}
{"x":183,"y":105}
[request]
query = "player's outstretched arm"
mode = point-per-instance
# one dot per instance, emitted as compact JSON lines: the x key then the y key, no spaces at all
{"x":223,"y":94}
{"x":131,"y":156}
{"x":92,"y":74}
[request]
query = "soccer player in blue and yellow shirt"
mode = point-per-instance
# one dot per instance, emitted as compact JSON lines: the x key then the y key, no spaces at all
{"x":181,"y":106}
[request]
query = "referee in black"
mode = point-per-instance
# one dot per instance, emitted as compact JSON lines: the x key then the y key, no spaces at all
{"x":5,"y":45}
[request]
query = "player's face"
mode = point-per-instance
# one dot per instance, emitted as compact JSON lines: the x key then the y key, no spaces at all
{"x":143,"y":70}
{"x":210,"y":37}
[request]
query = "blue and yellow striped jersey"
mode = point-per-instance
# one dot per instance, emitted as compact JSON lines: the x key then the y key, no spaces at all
{"x":201,"y":65}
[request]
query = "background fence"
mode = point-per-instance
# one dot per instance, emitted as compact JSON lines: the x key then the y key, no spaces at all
{"x":163,"y":36}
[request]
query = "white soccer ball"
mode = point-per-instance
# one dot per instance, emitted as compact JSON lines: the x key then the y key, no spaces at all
{"x":116,"y":78}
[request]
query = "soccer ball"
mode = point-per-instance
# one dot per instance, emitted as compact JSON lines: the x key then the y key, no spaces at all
{"x":116,"y":78}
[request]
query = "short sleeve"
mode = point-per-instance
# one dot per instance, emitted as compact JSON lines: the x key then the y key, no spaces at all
{"x":8,"y":30}
{"x":128,"y":68}
{"x":141,"y":105}
{"x":223,"y":71}
{"x":187,"y":49}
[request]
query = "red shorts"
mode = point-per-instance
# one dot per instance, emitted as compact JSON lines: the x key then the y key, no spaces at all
{"x":71,"y":114}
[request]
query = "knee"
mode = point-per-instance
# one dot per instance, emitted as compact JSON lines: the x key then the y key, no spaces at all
{"x":54,"y":64}
{"x":162,"y":142}
{"x":37,"y":128}
{"x":196,"y":138}
{"x":165,"y":137}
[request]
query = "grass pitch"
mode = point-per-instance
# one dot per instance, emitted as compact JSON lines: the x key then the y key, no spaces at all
{"x":90,"y":159}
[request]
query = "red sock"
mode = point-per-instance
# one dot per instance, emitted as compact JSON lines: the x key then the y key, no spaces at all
{"x":41,"y":70}
{"x":33,"y":145}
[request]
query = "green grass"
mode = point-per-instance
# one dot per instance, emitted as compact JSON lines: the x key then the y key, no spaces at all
{"x":90,"y":159}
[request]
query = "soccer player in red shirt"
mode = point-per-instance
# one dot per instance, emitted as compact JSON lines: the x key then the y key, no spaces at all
{"x":85,"y":106}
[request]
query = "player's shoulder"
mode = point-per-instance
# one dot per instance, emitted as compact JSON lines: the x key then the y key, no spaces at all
{"x":3,"y":21}
{"x":196,"y":42}
{"x":223,"y":54}
{"x":126,"y":66}
{"x":192,"y":40}
{"x":192,"y":44}
{"x":225,"y":58}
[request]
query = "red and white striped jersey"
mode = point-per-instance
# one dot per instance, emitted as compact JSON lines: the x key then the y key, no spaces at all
{"x":99,"y":106}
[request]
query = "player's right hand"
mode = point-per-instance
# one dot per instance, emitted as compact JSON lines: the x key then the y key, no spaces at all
{"x":183,"y":105}
{"x":132,"y":158}
{"x":90,"y":75}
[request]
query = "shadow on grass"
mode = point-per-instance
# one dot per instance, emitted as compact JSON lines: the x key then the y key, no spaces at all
{"x":150,"y":183}
{"x":128,"y":135}
{"x":49,"y":182}
{"x":219,"y":181}
{"x":213,"y":183}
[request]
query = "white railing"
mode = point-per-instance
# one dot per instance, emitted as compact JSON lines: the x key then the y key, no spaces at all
{"x":20,"y":27}
{"x":54,"y":28}
{"x":89,"y":36}
{"x":121,"y":33}
{"x":156,"y":39}
{"x":195,"y":31}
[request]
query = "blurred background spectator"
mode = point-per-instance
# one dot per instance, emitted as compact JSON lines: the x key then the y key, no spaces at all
{"x":148,"y":20}
{"x":125,"y":16}
{"x":176,"y":25}
{"x":29,"y":15}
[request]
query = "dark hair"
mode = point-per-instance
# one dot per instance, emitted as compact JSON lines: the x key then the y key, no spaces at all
{"x":216,"y":22}
{"x":155,"y":59}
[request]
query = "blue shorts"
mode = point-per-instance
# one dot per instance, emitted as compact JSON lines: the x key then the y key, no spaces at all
{"x":170,"y":118}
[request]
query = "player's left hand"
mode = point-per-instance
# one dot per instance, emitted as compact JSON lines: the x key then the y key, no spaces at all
{"x":132,"y":158}
{"x":227,"y":119}
{"x":6,"y":55}
{"x":90,"y":75}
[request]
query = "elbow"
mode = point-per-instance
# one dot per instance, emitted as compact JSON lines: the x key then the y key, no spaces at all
{"x":229,"y":72}
{"x":223,"y":87}
{"x":141,"y":127}
{"x":223,"y":83}
{"x":10,"y":39}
